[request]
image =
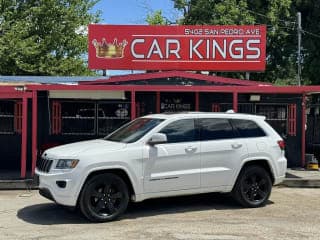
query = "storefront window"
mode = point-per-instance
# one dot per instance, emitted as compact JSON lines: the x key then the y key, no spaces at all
{"x":6,"y":117}
{"x":88,"y":118}
{"x":276,"y":116}
{"x":78,"y":118}
{"x":112,"y":115}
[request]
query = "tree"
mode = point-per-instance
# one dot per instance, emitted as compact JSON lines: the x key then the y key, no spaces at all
{"x":281,"y":58}
{"x":156,"y":18}
{"x":310,"y":14}
{"x":44,"y":37}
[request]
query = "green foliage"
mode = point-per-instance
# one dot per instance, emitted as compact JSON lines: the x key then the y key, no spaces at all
{"x":156,"y":18}
{"x":277,"y":15}
{"x":44,"y":37}
{"x":218,"y":12}
{"x":310,"y":14}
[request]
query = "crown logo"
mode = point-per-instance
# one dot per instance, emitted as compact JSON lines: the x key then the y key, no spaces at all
{"x":109,"y":50}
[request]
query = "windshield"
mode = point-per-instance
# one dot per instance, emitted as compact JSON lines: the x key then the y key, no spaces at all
{"x":134,"y":130}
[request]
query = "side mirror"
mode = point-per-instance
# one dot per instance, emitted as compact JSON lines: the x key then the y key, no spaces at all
{"x":158,"y":138}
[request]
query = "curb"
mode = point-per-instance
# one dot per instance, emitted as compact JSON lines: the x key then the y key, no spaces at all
{"x":18,"y":184}
{"x":301,"y":183}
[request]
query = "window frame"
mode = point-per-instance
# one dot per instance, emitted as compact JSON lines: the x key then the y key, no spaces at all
{"x":78,"y":117}
{"x":58,"y":120}
{"x":14,"y":118}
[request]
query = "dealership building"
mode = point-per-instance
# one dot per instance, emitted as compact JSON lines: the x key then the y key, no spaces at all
{"x":34,"y":117}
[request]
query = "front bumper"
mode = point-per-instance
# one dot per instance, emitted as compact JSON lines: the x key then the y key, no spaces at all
{"x":44,"y":192}
{"x":49,"y":188}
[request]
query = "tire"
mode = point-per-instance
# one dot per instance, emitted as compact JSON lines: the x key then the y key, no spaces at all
{"x":253,"y":187}
{"x":104,"y":198}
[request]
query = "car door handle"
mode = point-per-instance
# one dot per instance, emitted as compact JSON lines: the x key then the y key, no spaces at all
{"x":190,"y":149}
{"x":236,"y":145}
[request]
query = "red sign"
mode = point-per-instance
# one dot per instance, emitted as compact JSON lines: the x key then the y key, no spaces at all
{"x":142,"y":47}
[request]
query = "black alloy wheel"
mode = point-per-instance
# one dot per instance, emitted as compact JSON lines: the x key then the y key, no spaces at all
{"x":104,"y":198}
{"x":253,"y":187}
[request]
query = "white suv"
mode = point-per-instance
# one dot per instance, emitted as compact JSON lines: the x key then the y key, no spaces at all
{"x":165,"y":155}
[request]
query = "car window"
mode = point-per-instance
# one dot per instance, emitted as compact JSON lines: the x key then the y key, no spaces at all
{"x":247,"y":128}
{"x":180,"y":131}
{"x":215,"y":128}
{"x":134,"y":130}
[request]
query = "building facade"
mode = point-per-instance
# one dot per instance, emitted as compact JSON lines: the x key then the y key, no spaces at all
{"x":35,"y":117}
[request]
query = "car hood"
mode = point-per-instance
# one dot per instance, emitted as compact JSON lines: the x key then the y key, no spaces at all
{"x":74,"y":149}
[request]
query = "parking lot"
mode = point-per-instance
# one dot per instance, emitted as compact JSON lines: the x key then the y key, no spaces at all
{"x":292,"y":213}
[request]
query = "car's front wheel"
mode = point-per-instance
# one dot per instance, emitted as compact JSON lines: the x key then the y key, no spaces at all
{"x":104,"y":197}
{"x":253,"y":187}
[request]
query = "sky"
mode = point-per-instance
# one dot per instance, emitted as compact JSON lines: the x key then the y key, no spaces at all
{"x":133,"y":11}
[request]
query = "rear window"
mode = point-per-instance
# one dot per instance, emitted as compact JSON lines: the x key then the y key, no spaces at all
{"x":247,"y":128}
{"x":215,"y":129}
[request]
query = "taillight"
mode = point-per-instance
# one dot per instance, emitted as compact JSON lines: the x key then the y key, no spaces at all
{"x":282,"y":144}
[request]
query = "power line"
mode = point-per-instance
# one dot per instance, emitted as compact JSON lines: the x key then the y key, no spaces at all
{"x":312,"y":34}
{"x":284,"y":21}
{"x":265,"y":16}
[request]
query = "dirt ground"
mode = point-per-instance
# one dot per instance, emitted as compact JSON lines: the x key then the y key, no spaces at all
{"x":292,"y":213}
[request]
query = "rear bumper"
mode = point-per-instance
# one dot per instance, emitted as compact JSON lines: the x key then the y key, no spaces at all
{"x":281,"y":169}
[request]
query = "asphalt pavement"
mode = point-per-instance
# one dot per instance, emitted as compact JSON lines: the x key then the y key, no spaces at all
{"x":291,"y":213}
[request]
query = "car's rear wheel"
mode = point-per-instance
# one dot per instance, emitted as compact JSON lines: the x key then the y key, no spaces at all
{"x":253,"y":187}
{"x":104,"y":197}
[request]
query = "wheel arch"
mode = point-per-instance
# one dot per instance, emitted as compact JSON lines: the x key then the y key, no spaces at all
{"x":264,"y":163}
{"x":117,"y":171}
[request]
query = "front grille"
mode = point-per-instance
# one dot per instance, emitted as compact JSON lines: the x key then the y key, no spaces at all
{"x":44,"y":165}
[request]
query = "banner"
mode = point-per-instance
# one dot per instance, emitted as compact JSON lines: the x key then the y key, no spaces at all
{"x":144,"y":47}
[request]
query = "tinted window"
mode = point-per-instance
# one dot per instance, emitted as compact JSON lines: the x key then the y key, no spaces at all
{"x":180,"y":131}
{"x":215,"y":128}
{"x":247,"y":128}
{"x":134,"y":130}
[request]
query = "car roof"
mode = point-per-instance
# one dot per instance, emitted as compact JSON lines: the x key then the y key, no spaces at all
{"x":228,"y":114}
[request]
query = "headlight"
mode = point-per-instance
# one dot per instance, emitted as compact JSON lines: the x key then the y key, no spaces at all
{"x":67,"y":163}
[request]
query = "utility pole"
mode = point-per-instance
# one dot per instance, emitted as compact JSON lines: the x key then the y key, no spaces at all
{"x":299,"y":30}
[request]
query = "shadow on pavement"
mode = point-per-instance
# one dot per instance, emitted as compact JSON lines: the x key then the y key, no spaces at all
{"x":290,"y":175}
{"x":51,"y":213}
{"x":203,"y":202}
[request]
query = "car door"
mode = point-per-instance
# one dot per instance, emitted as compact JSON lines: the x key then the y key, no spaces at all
{"x":174,"y":165}
{"x":221,"y":152}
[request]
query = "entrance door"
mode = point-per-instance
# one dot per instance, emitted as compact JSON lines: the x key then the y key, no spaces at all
{"x":174,"y":165}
